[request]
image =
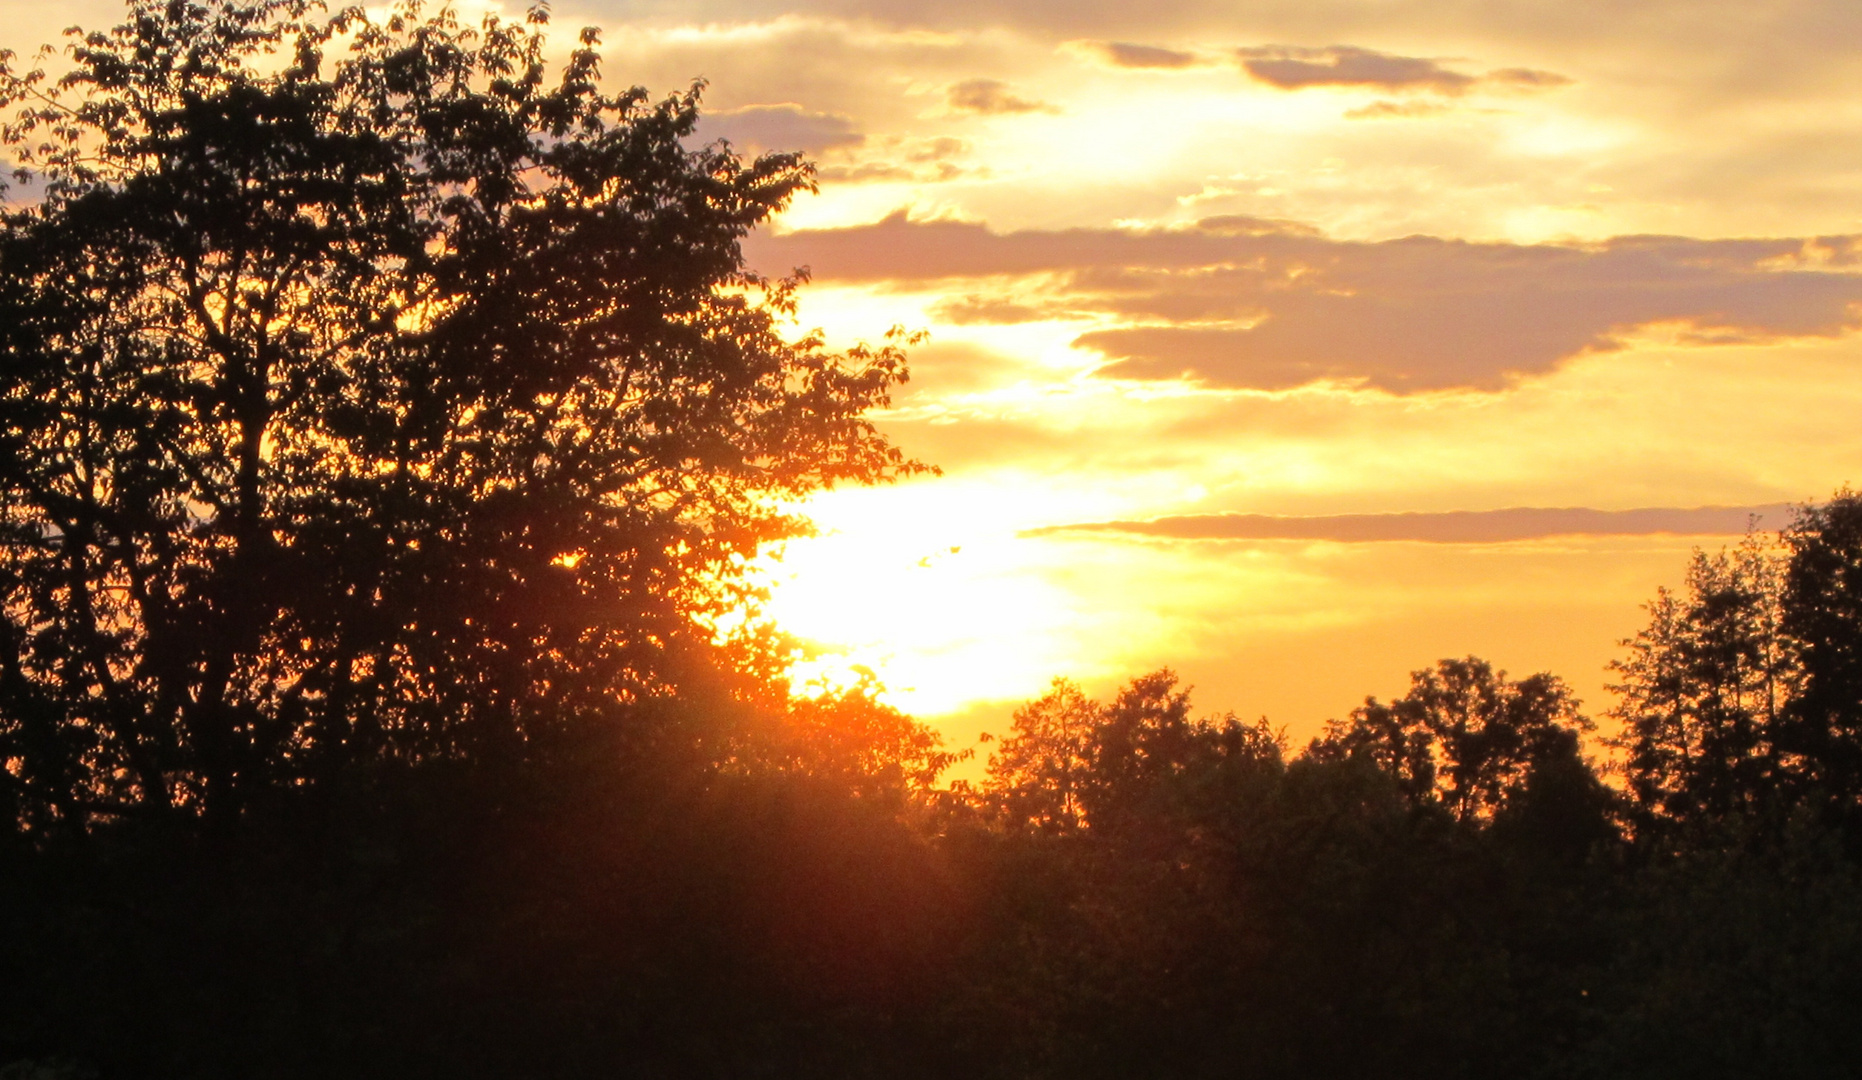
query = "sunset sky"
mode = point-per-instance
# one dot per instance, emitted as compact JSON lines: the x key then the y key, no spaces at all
{"x":1248,"y":320}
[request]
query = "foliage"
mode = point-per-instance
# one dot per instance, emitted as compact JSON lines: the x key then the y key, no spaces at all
{"x":1739,"y":959}
{"x":1821,"y":616}
{"x":1702,"y":689}
{"x":370,"y":392}
{"x":1072,"y":762}
{"x":1743,"y":699}
{"x":1217,"y":909}
{"x":1035,"y":774}
{"x":1465,"y":738}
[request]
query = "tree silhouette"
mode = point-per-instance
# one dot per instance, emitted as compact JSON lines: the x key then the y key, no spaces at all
{"x":1156,"y":765}
{"x":1821,"y":614}
{"x":1702,"y":689}
{"x":1072,"y":762}
{"x":369,"y":393}
{"x":1465,"y":738}
{"x":1036,"y":773}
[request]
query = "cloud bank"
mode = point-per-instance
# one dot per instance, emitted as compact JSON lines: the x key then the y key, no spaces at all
{"x":1248,"y":303}
{"x":1452,"y":527}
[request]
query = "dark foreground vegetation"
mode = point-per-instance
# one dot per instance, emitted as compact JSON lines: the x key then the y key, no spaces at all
{"x":384,"y":430}
{"x":1441,"y":886}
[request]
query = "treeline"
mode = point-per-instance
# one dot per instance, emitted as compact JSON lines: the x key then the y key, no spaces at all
{"x":1453,"y":883}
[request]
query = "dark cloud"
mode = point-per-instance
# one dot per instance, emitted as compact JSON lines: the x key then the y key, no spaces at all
{"x":1248,"y":304}
{"x":1290,"y":67}
{"x":784,"y":127}
{"x":1425,"y":314}
{"x":1125,"y":54}
{"x":1452,"y":527}
{"x":1293,"y":68}
{"x":991,"y":97}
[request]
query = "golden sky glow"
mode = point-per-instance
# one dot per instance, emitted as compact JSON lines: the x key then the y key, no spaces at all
{"x":1296,"y":258}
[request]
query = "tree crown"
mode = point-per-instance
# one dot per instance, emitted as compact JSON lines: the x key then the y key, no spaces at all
{"x":371,"y":390}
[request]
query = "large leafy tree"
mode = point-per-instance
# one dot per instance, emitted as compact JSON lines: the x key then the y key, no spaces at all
{"x":372,"y":387}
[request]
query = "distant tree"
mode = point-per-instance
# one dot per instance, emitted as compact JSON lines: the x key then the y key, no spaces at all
{"x":1142,"y":758}
{"x":1154,"y":764}
{"x":368,"y":392}
{"x":1037,"y":772}
{"x":1144,"y":742}
{"x":1465,"y":738}
{"x":1703,"y":689}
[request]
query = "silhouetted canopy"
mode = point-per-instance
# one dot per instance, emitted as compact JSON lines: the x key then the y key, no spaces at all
{"x":370,"y":388}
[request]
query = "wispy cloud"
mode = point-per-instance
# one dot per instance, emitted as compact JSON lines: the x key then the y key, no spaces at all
{"x":1451,"y":527}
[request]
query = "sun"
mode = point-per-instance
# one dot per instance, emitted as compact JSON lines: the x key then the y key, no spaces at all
{"x":930,"y":587}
